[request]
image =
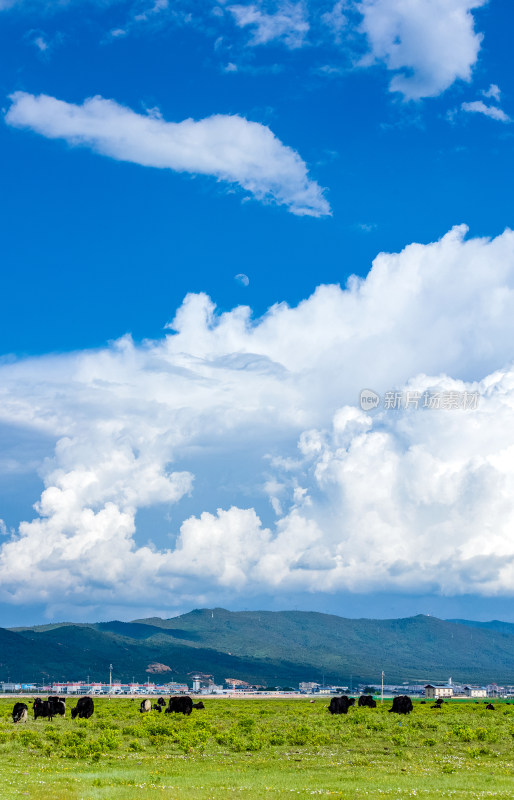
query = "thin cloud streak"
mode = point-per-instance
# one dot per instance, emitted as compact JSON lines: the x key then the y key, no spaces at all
{"x":479,"y":107}
{"x":230,"y":148}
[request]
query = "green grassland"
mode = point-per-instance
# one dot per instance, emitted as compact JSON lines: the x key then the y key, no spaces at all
{"x":260,"y":748}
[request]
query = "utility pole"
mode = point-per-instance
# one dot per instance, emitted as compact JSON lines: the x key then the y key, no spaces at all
{"x":110,"y":678}
{"x":382,"y":695}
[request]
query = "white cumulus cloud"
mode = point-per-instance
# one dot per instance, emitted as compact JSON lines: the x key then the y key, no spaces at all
{"x":428,"y":44}
{"x":414,"y":500}
{"x":230,"y":148}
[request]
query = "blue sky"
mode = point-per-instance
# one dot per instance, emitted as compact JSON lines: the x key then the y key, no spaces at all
{"x":173,"y":435}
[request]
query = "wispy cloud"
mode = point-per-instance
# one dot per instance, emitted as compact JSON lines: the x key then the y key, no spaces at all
{"x":230,"y":148}
{"x":336,"y":20}
{"x":288,"y":24}
{"x":479,"y":107}
{"x":493,"y":92}
{"x":427,"y":45}
{"x":43,"y":42}
{"x":156,"y":7}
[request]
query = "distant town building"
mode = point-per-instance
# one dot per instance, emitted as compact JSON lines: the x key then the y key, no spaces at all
{"x":308,"y":686}
{"x":237,"y":683}
{"x":176,"y":688}
{"x":475,"y":691}
{"x":435,"y":691}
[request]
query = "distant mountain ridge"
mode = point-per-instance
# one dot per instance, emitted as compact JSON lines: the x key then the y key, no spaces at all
{"x":492,"y":625}
{"x":264,"y":647}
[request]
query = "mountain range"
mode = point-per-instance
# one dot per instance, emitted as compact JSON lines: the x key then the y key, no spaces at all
{"x":268,"y":648}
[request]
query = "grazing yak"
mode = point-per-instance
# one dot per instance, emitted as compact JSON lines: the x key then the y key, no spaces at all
{"x":367,"y":700}
{"x":161,"y":701}
{"x":157,"y":707}
{"x":402,"y":704}
{"x":182,"y":705}
{"x":58,"y":705}
{"x":84,"y":708}
{"x":146,"y":705}
{"x":20,"y":712}
{"x":490,"y":707}
{"x":340,"y":705}
{"x":43,"y":708}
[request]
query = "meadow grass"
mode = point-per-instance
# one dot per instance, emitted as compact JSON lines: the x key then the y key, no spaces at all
{"x":260,"y":749}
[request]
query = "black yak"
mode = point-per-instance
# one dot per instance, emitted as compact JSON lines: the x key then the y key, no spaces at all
{"x":367,"y":700}
{"x":402,"y":704}
{"x":84,"y":708}
{"x":340,"y":705}
{"x":58,"y":705}
{"x":43,"y":708}
{"x":20,"y":712}
{"x":180,"y":705}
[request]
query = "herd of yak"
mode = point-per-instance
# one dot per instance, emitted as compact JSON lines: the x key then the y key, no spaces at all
{"x":56,"y":706}
{"x":402,"y":704}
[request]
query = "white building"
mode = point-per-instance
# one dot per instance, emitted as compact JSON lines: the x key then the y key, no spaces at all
{"x":432,"y":691}
{"x":308,"y":686}
{"x":176,"y":688}
{"x":475,"y":691}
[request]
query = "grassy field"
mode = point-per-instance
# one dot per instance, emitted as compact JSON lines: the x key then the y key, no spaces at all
{"x":260,"y":749}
